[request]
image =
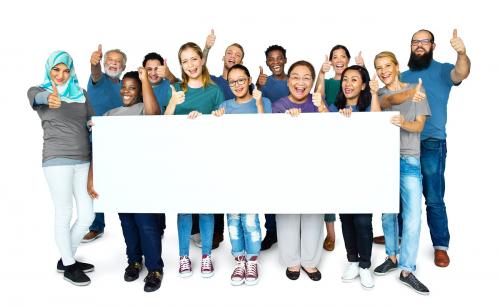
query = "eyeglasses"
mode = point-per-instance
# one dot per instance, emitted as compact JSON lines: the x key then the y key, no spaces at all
{"x":296,"y":78}
{"x":240,"y":81}
{"x":424,"y":42}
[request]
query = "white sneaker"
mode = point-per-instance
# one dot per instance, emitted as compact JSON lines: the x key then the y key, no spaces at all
{"x":365,"y":276}
{"x":196,"y":238}
{"x":351,"y":272}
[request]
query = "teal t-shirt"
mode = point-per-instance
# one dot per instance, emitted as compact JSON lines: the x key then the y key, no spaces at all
{"x":332,"y":88}
{"x":163,"y":93}
{"x":203,"y":99}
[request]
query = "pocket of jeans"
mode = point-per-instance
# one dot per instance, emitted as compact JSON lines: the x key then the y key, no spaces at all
{"x":431,"y":144}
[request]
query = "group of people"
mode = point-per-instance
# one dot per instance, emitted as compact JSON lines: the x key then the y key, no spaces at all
{"x":420,"y":94}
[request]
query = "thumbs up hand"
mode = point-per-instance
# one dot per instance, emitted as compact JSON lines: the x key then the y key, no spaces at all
{"x":419,"y":95}
{"x":262,"y":80}
{"x":177,"y":96}
{"x":317,"y":99}
{"x":326,"y":65}
{"x":359,"y":59}
{"x":209,"y":43}
{"x":96,"y":56}
{"x":163,"y":70}
{"x":53,"y":99}
{"x":457,"y":43}
{"x":374,"y":85}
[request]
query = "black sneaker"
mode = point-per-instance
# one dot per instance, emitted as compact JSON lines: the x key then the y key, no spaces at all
{"x":268,"y":241}
{"x":132,"y":271}
{"x":153,"y":281}
{"x":386,"y":267}
{"x":85,"y":267}
{"x":76,"y":276}
{"x":412,"y":282}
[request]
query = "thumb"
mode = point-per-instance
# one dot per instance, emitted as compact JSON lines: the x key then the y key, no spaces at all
{"x":455,"y":33}
{"x":212,"y":32}
{"x":359,"y":54}
{"x":261,"y":70}
{"x":419,"y":86}
{"x":374,"y":77}
{"x":54,"y":88}
{"x":165,"y":61}
{"x":326,"y":58}
{"x":99,"y":48}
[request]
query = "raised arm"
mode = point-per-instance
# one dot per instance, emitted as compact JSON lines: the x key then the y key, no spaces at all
{"x":375,"y":105}
{"x":150,"y":104}
{"x":209,"y":43}
{"x":462,"y":66}
{"x":320,"y":81}
{"x":95,"y":64}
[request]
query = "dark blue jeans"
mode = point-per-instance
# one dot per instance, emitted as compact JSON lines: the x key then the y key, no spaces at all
{"x":358,"y":238}
{"x":142,"y":233}
{"x":433,"y":161}
{"x":270,"y":224}
{"x":98,"y":224}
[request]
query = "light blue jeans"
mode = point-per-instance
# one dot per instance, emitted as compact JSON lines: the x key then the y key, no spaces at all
{"x":245,"y":235}
{"x":65,"y":183}
{"x":411,"y":209}
{"x":184,"y":225}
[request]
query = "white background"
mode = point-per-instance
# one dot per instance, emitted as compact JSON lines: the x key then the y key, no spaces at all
{"x":30,"y":31}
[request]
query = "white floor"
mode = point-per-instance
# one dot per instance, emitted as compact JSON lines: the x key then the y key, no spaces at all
{"x":31,"y":277}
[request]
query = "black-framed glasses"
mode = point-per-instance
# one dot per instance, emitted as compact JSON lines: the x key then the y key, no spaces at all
{"x":240,"y":81}
{"x":424,"y":42}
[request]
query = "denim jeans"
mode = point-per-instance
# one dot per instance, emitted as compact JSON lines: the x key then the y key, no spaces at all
{"x":98,"y":224}
{"x":218,"y":224}
{"x":410,"y":184}
{"x":433,"y":159}
{"x":244,"y":232}
{"x":358,"y":238}
{"x":184,"y":225}
{"x":142,"y":233}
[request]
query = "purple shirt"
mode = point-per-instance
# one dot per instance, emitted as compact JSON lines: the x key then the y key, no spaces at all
{"x":283,"y":104}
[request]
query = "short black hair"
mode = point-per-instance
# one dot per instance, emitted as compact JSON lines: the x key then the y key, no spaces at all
{"x":276,"y":48}
{"x":152,"y":56}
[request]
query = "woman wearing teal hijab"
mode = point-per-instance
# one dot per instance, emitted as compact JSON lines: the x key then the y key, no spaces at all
{"x":64,"y":110}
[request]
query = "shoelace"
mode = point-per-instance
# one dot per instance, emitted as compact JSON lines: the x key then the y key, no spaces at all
{"x":239,"y":270}
{"x":206,"y":263}
{"x":185,"y":264}
{"x":251,"y":268}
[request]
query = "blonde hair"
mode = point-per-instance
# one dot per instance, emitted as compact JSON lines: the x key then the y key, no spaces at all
{"x":205,"y":75}
{"x":391,"y":56}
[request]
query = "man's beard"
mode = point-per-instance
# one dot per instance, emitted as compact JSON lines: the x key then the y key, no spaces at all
{"x":420,"y":62}
{"x":113,"y":74}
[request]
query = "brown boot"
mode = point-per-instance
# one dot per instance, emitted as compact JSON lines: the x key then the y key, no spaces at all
{"x":441,"y":258}
{"x":379,"y":240}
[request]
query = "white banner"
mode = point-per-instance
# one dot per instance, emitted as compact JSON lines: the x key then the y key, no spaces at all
{"x":255,"y":163}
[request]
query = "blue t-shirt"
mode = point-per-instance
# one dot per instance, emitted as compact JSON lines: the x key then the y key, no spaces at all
{"x":275,"y":89}
{"x":163,"y":93}
{"x":332,"y":108}
{"x":223,"y":86}
{"x":437,"y":82}
{"x":248,"y":107}
{"x":104,"y":95}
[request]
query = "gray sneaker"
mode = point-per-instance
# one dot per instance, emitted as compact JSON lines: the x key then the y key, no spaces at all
{"x":411,"y":281}
{"x":386,"y":267}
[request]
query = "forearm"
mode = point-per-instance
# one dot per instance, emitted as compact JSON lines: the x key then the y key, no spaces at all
{"x":205,"y":54}
{"x":95,"y":72}
{"x":414,"y":126}
{"x":320,"y":80}
{"x":462,"y":68}
{"x":150,"y":104}
{"x":170,"y":108}
{"x":375,"y":105}
{"x":397,"y":98}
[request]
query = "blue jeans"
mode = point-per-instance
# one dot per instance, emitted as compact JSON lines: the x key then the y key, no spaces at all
{"x":184,"y":225}
{"x":410,"y":184}
{"x":358,"y":238}
{"x":98,"y":224}
{"x":244,"y":232}
{"x":143,"y":237}
{"x":433,"y":159}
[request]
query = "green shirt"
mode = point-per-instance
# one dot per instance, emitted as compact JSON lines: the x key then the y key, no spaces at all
{"x":203,"y":99}
{"x":332,"y":88}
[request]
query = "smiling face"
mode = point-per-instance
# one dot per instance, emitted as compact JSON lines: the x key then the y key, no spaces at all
{"x":233,"y":56}
{"x":130,"y":91}
{"x":276,"y":62}
{"x":352,"y":85}
{"x":239,"y":82}
{"x":59,"y":74}
{"x":387,"y":70}
{"x":152,"y":69}
{"x":300,"y":83}
{"x":191,"y":63}
{"x":113,"y":64}
{"x":339,"y":61}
